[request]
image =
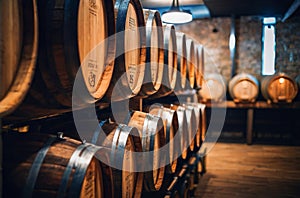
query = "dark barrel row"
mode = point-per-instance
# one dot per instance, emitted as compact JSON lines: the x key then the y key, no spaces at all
{"x":107,"y":163}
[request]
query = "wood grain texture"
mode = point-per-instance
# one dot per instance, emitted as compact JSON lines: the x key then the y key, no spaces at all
{"x":71,"y":40}
{"x":170,"y":62}
{"x":191,"y":64}
{"x":243,"y":87}
{"x":151,"y":131}
{"x":278,"y":88}
{"x":213,"y":89}
{"x":18,"y":42}
{"x":20,"y":151}
{"x":200,"y":64}
{"x":154,"y":53}
{"x":181,"y":61}
{"x":123,"y":140}
{"x":170,"y":122}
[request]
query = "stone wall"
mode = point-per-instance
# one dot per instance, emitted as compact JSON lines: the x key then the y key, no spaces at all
{"x":214,"y":35}
{"x":288,"y":46}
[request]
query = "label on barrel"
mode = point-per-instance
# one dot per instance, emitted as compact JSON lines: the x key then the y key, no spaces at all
{"x":93,"y":7}
{"x":132,"y":47}
{"x":92,"y":48}
{"x":132,"y":72}
{"x":92,"y":185}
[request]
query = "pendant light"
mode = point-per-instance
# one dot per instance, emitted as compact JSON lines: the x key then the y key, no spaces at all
{"x":176,"y":15}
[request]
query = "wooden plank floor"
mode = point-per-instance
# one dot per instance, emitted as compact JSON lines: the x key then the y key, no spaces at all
{"x":239,"y":170}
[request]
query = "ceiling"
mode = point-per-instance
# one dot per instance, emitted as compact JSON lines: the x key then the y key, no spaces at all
{"x":281,"y":9}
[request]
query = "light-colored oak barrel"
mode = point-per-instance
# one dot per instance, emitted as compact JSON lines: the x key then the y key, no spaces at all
{"x":243,"y":87}
{"x":151,"y":130}
{"x":183,"y":146}
{"x":200,"y":65}
{"x":213,"y":88}
{"x":198,"y":139}
{"x":154,"y":53}
{"x":191,"y":129}
{"x":279,"y":87}
{"x":170,"y":122}
{"x":203,"y":121}
{"x":18,"y":45}
{"x":170,"y":62}
{"x":181,"y":62}
{"x":129,"y":69}
{"x":76,"y":35}
{"x":122,"y":140}
{"x":39,"y":165}
{"x":191,"y":64}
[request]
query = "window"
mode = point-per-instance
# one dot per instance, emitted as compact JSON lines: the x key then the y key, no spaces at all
{"x":269,"y":46}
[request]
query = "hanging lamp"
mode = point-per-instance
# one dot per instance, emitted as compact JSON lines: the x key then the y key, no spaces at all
{"x":175,"y":15}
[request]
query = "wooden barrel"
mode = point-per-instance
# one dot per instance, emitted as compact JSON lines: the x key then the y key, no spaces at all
{"x":198,"y":139}
{"x":154,"y":53}
{"x":151,"y":130}
{"x":181,"y":62}
{"x":191,"y":129}
{"x":200,"y":65}
{"x":213,"y":89}
{"x":170,"y":62}
{"x":203,"y":121}
{"x":130,"y":57}
{"x":279,"y":88}
{"x":191,"y":64}
{"x":182,"y":133}
{"x":64,"y":46}
{"x":39,"y":165}
{"x":122,"y":140}
{"x":18,"y":45}
{"x":243,"y":87}
{"x":170,"y":122}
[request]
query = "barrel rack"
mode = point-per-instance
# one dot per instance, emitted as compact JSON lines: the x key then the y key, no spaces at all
{"x":183,"y":184}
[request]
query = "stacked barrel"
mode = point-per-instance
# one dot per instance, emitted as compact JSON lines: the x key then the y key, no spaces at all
{"x":244,"y":87}
{"x":278,"y":88}
{"x":58,"y":56}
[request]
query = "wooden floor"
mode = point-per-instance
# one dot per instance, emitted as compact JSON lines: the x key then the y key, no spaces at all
{"x":239,"y":170}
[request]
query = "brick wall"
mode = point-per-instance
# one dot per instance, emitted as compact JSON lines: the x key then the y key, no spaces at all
{"x":288,"y":46}
{"x":214,"y":35}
